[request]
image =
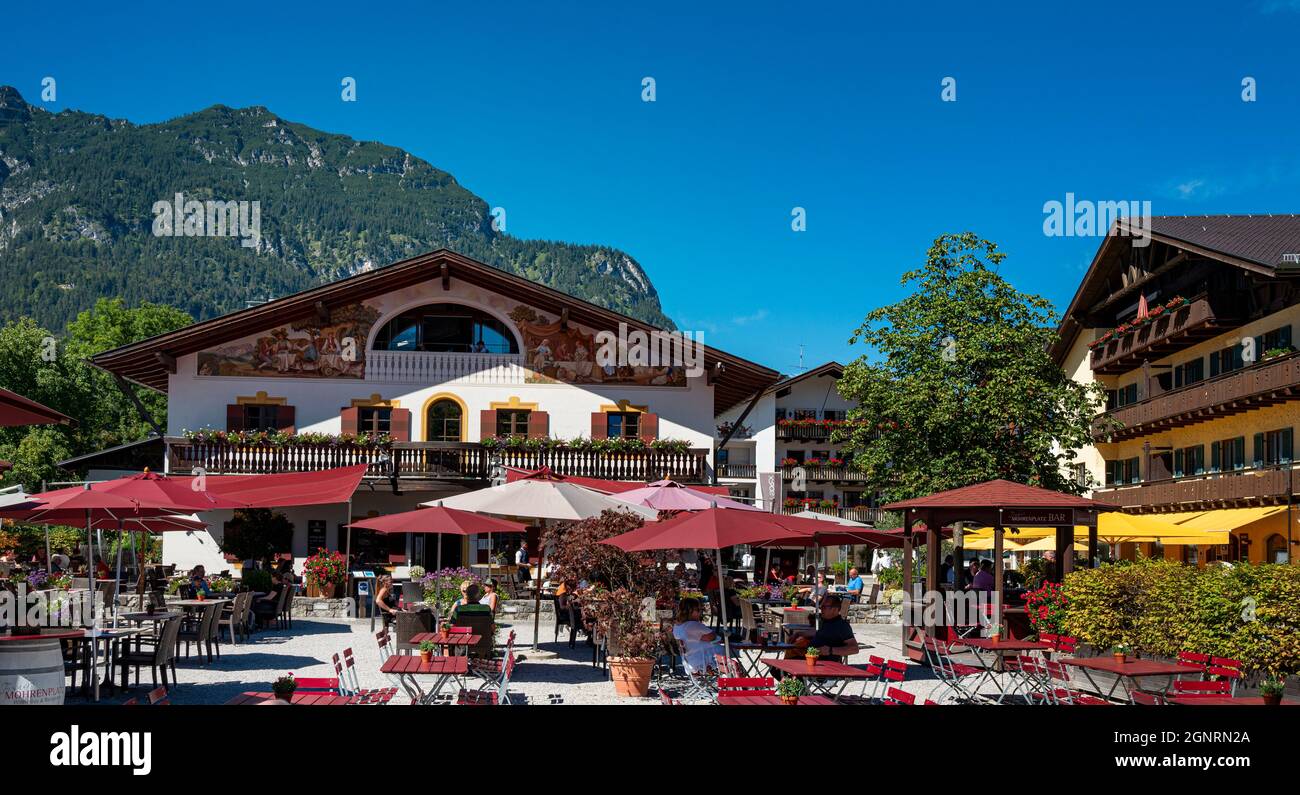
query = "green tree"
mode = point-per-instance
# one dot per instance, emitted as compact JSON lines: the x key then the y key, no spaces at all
{"x":959,"y":387}
{"x":257,"y":534}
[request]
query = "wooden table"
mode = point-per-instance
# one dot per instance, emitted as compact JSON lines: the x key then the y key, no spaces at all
{"x":1130,"y":670}
{"x":768,"y":701}
{"x":111,"y":638}
{"x":457,"y":643}
{"x":751,"y":654}
{"x":995,"y":664}
{"x":822,"y":669}
{"x":408,"y":666}
{"x":297,"y":699}
{"x":197,"y":604}
{"x":1227,"y":701}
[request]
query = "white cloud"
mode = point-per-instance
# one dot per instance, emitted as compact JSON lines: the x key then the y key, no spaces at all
{"x":744,"y":320}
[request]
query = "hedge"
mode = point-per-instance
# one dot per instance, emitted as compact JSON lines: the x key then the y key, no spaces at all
{"x":1164,"y":607}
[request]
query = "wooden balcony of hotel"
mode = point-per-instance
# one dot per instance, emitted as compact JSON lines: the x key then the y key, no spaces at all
{"x":1267,"y":383}
{"x":1190,"y":323}
{"x":844,"y":472}
{"x":433,"y":461}
{"x":858,"y":513}
{"x":1237,"y":488}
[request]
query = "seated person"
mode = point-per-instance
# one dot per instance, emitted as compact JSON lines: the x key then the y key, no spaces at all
{"x":835,"y":636}
{"x":698,"y":642}
{"x":855,"y":585}
{"x":983,"y":579}
{"x":471,"y":593}
{"x":267,"y":605}
{"x":199,"y":582}
{"x":774,"y":575}
{"x":490,"y":596}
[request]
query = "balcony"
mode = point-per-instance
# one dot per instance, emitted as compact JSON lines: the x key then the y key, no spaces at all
{"x":814,"y":431}
{"x":859,"y":513}
{"x":742,"y":471}
{"x":1184,"y":326}
{"x":1243,"y":487}
{"x":844,"y":472}
{"x":433,"y":461}
{"x":1264,"y":384}
{"x":420,"y":367}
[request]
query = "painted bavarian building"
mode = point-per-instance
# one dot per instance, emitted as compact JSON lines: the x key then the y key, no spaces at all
{"x":1203,"y":393}
{"x":458,"y":368}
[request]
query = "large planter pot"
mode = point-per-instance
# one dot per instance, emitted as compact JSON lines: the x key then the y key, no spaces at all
{"x":631,"y":675}
{"x":31,"y":670}
{"x":322,"y":590}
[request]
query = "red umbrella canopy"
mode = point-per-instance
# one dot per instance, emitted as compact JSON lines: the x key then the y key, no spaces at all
{"x":716,"y":528}
{"x":669,"y":495}
{"x":439,"y":520}
{"x":152,"y":490}
{"x":18,"y":410}
{"x":69,"y":507}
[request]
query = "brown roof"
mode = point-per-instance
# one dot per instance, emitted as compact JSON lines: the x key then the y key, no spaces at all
{"x":1252,"y":242}
{"x":999,"y":494}
{"x":18,"y":410}
{"x":833,"y":369}
{"x":146,"y":362}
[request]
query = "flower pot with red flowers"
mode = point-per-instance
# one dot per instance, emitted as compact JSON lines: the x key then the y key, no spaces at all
{"x":284,"y":687}
{"x":325,"y":572}
{"x":789,"y":689}
{"x":811,"y":655}
{"x":1271,"y":689}
{"x":426,"y":651}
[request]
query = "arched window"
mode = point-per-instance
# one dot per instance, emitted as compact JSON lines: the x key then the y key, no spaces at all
{"x":442,"y":422}
{"x":1277,"y":549}
{"x":446,"y":328}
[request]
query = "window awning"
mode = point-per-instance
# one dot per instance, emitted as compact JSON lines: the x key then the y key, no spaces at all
{"x":1228,"y":519}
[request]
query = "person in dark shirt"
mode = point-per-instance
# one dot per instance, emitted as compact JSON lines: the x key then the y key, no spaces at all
{"x":835,"y":636}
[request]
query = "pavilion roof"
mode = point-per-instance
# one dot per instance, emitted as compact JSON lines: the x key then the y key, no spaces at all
{"x":999,"y":494}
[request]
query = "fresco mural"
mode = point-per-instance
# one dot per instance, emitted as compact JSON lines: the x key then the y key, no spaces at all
{"x":300,"y":350}
{"x":556,"y":355}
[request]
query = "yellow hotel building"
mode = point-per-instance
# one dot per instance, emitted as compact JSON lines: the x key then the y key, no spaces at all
{"x":1203,"y":395}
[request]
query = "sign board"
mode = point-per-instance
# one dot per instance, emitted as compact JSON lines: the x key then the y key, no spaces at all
{"x":316,"y":536}
{"x":769,"y":489}
{"x":1017,"y":517}
{"x":363,"y":587}
{"x":1085,"y":517}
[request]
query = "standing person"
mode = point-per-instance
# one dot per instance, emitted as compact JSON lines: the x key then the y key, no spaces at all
{"x":386,"y":599}
{"x":521,"y":560}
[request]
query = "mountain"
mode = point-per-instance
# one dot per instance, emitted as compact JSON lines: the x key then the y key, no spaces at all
{"x":77,"y":221}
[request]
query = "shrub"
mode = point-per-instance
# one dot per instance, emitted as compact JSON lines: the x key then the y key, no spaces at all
{"x":256,"y":579}
{"x":1246,"y":612}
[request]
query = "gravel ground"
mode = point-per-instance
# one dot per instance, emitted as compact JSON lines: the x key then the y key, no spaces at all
{"x":564,"y":676}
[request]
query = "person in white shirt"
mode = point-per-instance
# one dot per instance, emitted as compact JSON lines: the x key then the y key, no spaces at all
{"x":699,"y":642}
{"x":521,"y":560}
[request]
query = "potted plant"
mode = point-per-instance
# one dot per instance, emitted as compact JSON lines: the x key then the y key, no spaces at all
{"x":284,"y":687}
{"x":445,"y":626}
{"x":1271,"y":689}
{"x":810,"y":656}
{"x":426,"y":651}
{"x":325,"y":571}
{"x":995,"y":632}
{"x":789,"y":689}
{"x":634,"y":642}
{"x":1120,"y":651}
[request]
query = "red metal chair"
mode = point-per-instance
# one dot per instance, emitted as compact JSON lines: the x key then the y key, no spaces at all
{"x":745,"y":686}
{"x":728,"y":666}
{"x":896,"y":697}
{"x":1197,"y":659}
{"x":668,"y":700}
{"x":1210,"y":689}
{"x":1225,"y":668}
{"x":952,"y":674}
{"x":1148,"y":698}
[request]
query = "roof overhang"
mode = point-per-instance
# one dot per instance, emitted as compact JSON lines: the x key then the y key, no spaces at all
{"x":147,"y":362}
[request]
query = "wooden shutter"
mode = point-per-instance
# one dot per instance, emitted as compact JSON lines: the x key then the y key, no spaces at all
{"x":487,"y":421}
{"x":399,"y":425}
{"x":649,"y":427}
{"x":599,"y":425}
{"x":234,"y":417}
{"x":539,"y":425}
{"x":350,"y":420}
{"x":284,"y":418}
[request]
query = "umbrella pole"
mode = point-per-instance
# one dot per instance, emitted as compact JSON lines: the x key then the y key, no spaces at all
{"x":348,"y":553}
{"x":49,"y":561}
{"x":537,"y":592}
{"x":722,"y":595}
{"x":117,"y":575}
{"x":94,"y":593}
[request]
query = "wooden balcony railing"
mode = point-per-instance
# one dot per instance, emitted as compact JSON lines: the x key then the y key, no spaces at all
{"x":1264,"y":384}
{"x":421,"y":367}
{"x":738,"y":471}
{"x":824,"y":473}
{"x":1239,"y":487}
{"x":814,"y":433}
{"x":1185,"y":326}
{"x":434,"y":460}
{"x":856,"y":514}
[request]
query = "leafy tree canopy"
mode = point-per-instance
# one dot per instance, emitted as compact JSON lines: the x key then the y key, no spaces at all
{"x":961,"y":388}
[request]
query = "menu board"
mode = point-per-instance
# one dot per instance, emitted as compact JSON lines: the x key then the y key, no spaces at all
{"x":315,"y":535}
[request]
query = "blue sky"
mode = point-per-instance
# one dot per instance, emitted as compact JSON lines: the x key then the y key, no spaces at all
{"x":760,"y":108}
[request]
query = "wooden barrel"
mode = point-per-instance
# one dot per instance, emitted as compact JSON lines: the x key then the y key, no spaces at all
{"x":31,"y":669}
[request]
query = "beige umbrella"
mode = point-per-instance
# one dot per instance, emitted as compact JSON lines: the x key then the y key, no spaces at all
{"x":541,"y":498}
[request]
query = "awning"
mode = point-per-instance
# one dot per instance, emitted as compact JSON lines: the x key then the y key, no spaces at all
{"x":291,"y":488}
{"x":17,"y":410}
{"x":1228,"y":519}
